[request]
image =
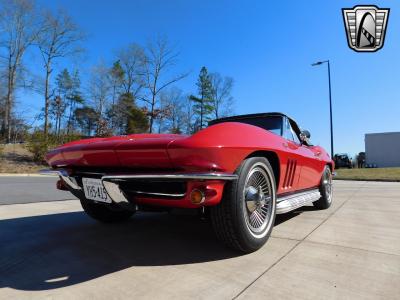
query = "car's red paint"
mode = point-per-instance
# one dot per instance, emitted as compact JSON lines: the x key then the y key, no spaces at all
{"x":218,"y":148}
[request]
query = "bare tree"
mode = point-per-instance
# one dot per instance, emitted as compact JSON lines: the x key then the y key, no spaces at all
{"x":174,"y":109}
{"x":58,"y":39}
{"x":222,"y":99}
{"x":99,"y":89}
{"x":18,"y":30}
{"x":189,"y":114}
{"x":3,"y":93}
{"x":160,"y":59}
{"x":132,"y":61}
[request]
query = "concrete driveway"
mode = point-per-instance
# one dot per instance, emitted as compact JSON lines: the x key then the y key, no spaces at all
{"x":52,"y":249}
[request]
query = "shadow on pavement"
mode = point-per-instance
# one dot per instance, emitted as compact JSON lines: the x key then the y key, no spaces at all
{"x":53,"y":251}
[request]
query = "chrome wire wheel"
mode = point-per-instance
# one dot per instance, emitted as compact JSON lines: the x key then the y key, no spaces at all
{"x":327,"y":184}
{"x":259,"y":200}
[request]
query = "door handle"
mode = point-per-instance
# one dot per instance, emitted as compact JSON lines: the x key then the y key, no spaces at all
{"x":317,"y":153}
{"x":285,"y":145}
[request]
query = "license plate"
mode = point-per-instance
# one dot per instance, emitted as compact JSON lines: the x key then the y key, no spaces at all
{"x":94,"y":190}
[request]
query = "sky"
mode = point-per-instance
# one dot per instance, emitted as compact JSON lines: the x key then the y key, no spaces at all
{"x":268,"y":48}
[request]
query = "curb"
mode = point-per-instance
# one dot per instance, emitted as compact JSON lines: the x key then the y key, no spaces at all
{"x":24,"y":175}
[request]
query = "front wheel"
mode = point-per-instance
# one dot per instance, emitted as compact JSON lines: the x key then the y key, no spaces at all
{"x":325,"y":189}
{"x":245,"y":217}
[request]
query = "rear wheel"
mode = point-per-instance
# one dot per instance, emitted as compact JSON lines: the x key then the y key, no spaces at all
{"x":105,"y":213}
{"x":325,"y":189}
{"x":245,"y":217}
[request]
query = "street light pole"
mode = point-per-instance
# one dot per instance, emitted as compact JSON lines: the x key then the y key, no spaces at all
{"x":330,"y":99}
{"x":330,"y":106}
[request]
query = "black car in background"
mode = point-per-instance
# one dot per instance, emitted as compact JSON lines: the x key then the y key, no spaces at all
{"x":342,"y":161}
{"x":361,"y":160}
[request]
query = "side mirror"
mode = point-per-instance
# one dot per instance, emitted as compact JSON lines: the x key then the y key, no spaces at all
{"x":305,"y":136}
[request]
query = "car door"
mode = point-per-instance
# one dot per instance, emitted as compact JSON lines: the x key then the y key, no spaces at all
{"x":292,"y":161}
{"x":310,"y":161}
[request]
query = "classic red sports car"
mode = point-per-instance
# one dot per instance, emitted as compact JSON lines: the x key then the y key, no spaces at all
{"x":242,"y":170}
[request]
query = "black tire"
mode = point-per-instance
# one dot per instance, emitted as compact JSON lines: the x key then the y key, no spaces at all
{"x":233,"y":219}
{"x":105,"y":213}
{"x":325,"y":189}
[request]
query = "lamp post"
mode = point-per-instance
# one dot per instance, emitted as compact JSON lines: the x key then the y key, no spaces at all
{"x":330,"y":97}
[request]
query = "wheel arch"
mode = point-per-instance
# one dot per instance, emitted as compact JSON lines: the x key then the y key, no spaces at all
{"x":273,"y":160}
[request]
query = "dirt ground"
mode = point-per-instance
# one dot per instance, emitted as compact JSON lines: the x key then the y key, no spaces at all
{"x":15,"y":158}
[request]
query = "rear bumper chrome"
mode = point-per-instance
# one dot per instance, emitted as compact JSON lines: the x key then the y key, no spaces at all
{"x":70,"y":181}
{"x":111,"y":182}
{"x":189,"y":176}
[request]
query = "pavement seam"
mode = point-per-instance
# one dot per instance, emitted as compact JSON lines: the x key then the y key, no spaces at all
{"x":298,"y":243}
{"x":270,"y":267}
{"x":352,"y":248}
{"x":285,"y":238}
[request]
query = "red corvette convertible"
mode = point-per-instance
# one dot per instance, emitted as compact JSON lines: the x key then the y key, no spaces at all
{"x":242,"y":170}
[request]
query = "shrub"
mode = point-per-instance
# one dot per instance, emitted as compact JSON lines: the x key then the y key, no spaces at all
{"x":38,"y":145}
{"x":1,"y":151}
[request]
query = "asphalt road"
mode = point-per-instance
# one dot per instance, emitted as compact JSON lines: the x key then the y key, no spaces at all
{"x":28,"y":189}
{"x":53,"y":250}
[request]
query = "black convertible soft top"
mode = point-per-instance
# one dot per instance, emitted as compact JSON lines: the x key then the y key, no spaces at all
{"x":250,"y":116}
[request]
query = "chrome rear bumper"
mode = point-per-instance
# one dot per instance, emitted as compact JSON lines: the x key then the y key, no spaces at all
{"x":111,"y":182}
{"x":195,"y":176}
{"x":70,"y":181}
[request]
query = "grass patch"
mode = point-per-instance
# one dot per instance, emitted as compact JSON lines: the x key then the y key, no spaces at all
{"x":373,"y":174}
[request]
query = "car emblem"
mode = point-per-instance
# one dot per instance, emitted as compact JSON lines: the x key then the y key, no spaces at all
{"x":365,"y":27}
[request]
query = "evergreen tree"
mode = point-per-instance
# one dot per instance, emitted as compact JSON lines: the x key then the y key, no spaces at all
{"x":137,"y":121}
{"x":86,"y":117}
{"x":203,"y":104}
{"x":69,"y":91}
{"x":128,"y":117}
{"x":57,"y":110}
{"x":60,"y":103}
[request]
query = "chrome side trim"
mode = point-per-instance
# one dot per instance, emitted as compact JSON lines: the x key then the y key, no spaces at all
{"x":70,"y":181}
{"x":294,"y":201}
{"x":205,"y":176}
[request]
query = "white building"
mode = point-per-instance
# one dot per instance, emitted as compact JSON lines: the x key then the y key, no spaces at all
{"x":383,"y":149}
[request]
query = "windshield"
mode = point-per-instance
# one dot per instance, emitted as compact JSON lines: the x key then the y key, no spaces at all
{"x":271,"y":123}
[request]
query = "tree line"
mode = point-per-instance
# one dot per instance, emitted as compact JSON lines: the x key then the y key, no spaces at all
{"x":136,"y":92}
